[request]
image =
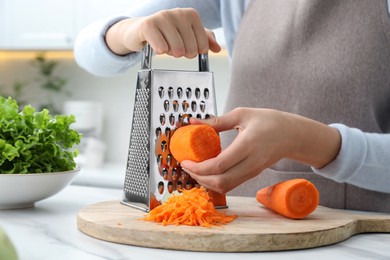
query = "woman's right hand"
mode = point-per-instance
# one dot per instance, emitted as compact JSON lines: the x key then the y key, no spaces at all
{"x":177,"y":32}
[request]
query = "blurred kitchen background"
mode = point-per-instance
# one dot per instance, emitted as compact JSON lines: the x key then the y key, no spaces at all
{"x":37,"y":67}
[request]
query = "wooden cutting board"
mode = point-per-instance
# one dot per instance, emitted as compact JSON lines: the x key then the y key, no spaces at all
{"x":255,"y":229}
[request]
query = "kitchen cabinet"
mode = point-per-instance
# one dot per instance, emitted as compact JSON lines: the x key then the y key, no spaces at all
{"x":50,"y":24}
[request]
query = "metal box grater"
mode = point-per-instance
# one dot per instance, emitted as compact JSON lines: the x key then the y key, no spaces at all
{"x":164,"y":101}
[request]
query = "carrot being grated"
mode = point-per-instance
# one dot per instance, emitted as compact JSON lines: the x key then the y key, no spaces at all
{"x":192,"y":208}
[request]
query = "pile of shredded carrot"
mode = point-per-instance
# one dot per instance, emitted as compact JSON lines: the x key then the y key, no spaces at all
{"x":192,"y":208}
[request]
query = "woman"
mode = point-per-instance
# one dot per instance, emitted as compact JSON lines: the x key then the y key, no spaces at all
{"x":326,"y":63}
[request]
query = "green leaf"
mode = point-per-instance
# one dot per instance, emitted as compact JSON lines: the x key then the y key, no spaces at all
{"x":33,"y":141}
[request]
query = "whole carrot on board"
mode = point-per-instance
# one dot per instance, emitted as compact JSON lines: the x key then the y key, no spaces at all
{"x":195,"y":142}
{"x":293,"y":199}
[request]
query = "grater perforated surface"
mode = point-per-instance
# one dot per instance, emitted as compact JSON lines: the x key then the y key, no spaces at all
{"x":137,"y":172}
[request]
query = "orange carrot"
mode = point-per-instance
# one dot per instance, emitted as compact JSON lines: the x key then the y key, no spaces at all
{"x":195,"y":142}
{"x":294,"y":198}
{"x":191,"y":207}
{"x":218,"y":199}
{"x":154,"y":202}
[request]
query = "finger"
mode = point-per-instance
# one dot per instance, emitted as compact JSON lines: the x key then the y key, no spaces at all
{"x":213,"y":44}
{"x":230,"y":179}
{"x":193,"y":34}
{"x":228,"y":121}
{"x":157,"y":41}
{"x":173,"y":38}
{"x":235,"y":153}
{"x":190,"y":41}
{"x":202,"y":40}
{"x":152,"y":34}
{"x":163,"y":26}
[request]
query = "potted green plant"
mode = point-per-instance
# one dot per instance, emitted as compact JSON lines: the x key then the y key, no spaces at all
{"x":51,"y":84}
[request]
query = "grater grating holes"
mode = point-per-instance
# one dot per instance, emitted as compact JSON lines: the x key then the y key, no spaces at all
{"x":197,"y":93}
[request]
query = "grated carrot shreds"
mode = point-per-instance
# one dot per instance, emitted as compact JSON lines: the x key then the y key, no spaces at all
{"x":192,"y":208}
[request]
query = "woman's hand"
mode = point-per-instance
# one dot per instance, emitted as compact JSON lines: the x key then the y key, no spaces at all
{"x":264,"y":137}
{"x":176,"y":32}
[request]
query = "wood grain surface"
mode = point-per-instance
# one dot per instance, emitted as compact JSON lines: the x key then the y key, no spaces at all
{"x":255,"y":229}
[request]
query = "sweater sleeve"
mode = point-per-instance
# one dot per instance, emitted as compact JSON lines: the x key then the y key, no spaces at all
{"x":92,"y":53}
{"x":363,"y":160}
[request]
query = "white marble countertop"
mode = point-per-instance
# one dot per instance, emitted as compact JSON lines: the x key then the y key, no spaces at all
{"x":109,"y":175}
{"x":49,"y":231}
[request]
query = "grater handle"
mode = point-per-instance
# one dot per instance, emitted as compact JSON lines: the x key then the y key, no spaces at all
{"x":146,"y":62}
{"x":203,"y":62}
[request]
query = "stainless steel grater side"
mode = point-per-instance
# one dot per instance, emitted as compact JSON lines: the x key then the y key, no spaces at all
{"x":164,"y":101}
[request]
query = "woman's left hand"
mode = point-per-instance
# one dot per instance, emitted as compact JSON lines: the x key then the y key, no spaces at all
{"x":264,"y":137}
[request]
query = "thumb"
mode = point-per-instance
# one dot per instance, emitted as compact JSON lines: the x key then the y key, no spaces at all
{"x":220,"y":123}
